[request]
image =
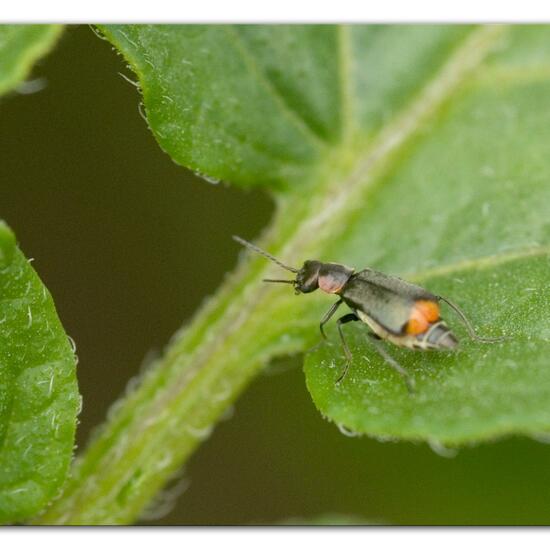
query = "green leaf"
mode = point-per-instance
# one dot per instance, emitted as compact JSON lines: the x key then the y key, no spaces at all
{"x":420,"y":151}
{"x":20,"y":47}
{"x":38,"y":391}
{"x":265,"y":105}
{"x":482,"y":391}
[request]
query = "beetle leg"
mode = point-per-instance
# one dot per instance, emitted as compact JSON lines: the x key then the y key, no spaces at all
{"x":377,"y":343}
{"x":468,"y":325}
{"x":345,"y":319}
{"x":327,"y":316}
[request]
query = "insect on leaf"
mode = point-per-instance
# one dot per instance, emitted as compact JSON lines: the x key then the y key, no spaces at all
{"x":431,"y":144}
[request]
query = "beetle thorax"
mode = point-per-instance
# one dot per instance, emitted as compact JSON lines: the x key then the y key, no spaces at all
{"x":307,"y":279}
{"x":333,"y":277}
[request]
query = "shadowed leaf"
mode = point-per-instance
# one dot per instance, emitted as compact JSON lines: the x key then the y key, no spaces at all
{"x":20,"y":47}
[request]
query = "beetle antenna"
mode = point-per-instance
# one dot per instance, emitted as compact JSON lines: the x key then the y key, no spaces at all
{"x":265,"y":254}
{"x":468,"y":325}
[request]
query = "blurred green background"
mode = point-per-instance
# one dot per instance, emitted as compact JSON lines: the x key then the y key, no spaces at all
{"x":130,"y":244}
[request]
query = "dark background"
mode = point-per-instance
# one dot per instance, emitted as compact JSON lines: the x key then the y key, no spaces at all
{"x":129,"y":244}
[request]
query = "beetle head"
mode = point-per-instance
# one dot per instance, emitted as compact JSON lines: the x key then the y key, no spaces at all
{"x":329,"y":277}
{"x":307,"y":279}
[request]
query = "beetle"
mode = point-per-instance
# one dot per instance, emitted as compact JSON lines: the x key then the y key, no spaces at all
{"x":395,"y":310}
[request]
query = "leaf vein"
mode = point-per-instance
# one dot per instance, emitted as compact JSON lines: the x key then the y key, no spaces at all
{"x":345,"y":48}
{"x":482,"y":262}
{"x":343,"y":196}
{"x":291,"y":114}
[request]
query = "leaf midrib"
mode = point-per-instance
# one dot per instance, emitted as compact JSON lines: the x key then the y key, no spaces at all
{"x":286,"y":110}
{"x":479,"y":263}
{"x":340,"y":195}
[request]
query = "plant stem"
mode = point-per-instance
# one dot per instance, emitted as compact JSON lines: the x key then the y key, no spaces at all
{"x":151,"y":431}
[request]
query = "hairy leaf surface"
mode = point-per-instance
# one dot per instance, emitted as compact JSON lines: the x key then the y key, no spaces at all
{"x":38,"y":391}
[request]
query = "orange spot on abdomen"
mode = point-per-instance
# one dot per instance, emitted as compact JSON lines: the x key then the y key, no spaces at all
{"x":423,"y":313}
